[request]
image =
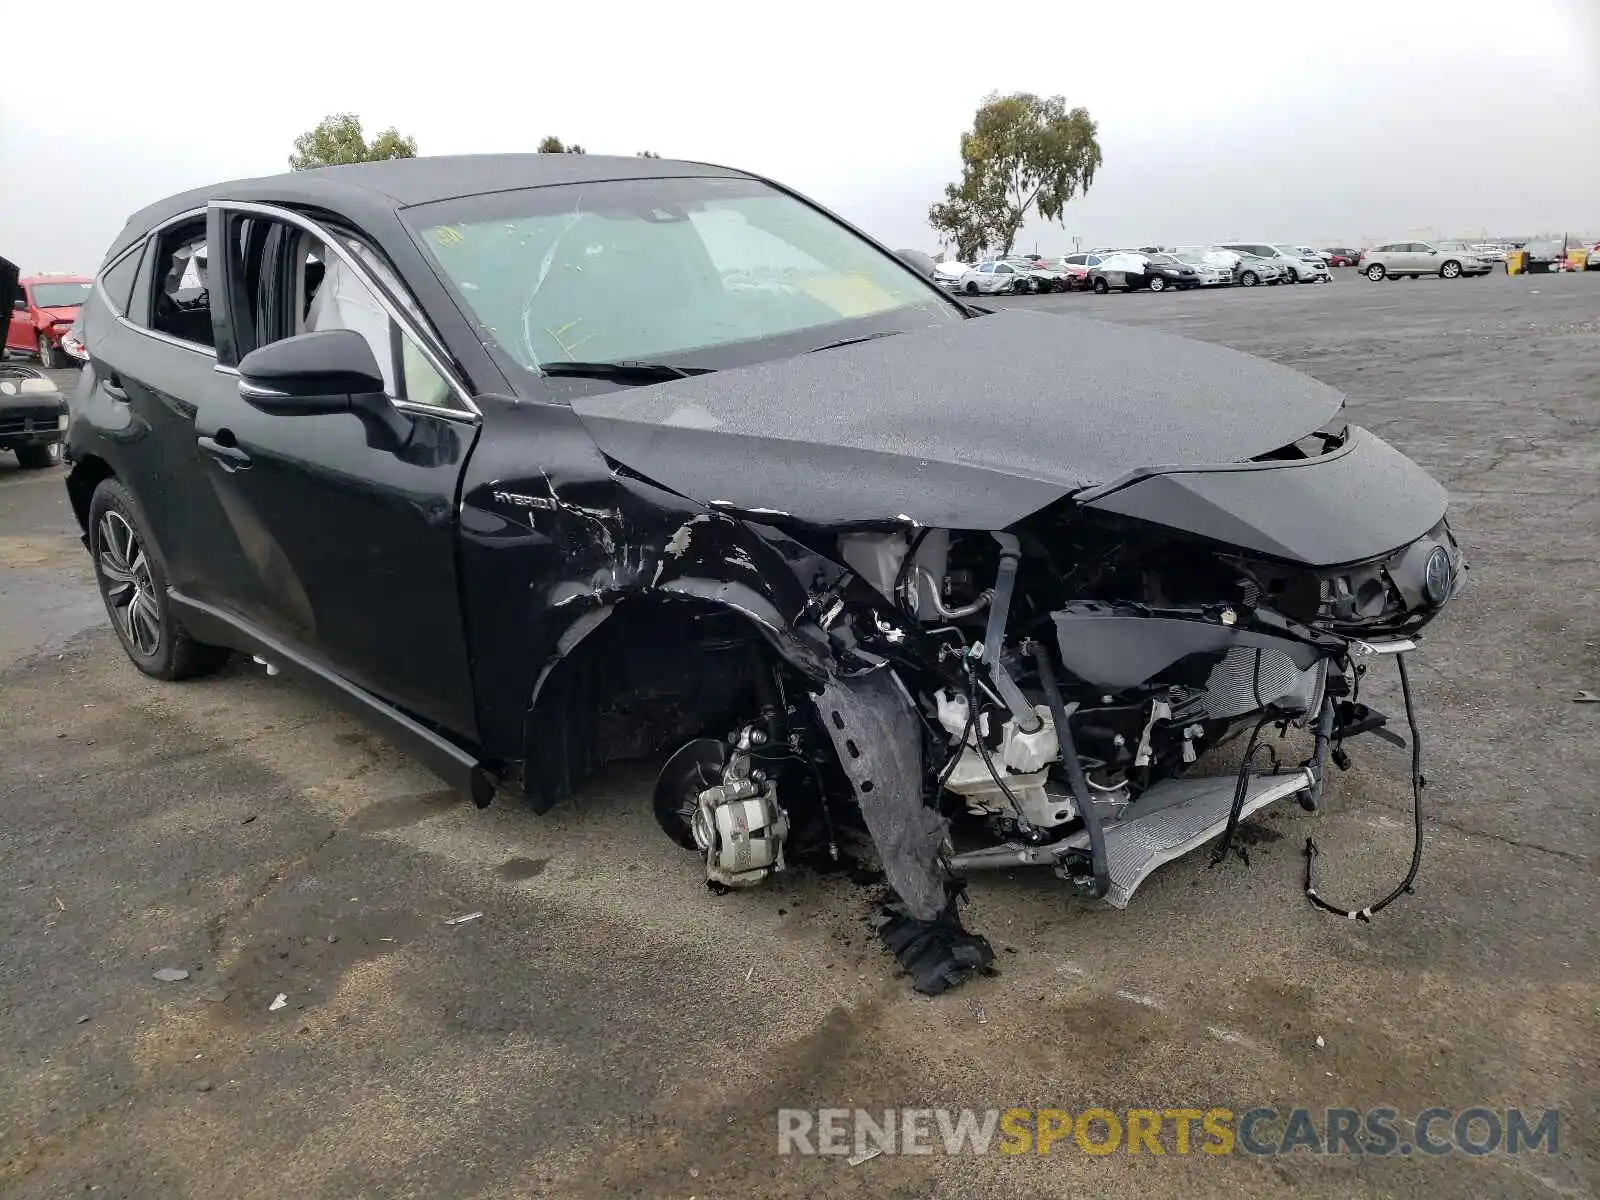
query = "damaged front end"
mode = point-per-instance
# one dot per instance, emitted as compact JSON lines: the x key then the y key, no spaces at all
{"x":1043,"y":695}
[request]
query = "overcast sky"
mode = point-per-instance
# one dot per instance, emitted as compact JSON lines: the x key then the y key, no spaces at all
{"x":1321,"y":121}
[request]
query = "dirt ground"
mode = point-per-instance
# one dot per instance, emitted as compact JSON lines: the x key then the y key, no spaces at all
{"x":607,"y":1027}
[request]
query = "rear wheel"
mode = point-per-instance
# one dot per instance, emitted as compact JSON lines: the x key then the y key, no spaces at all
{"x":1249,"y":279}
{"x":37,"y":458}
{"x":133,"y":584}
{"x":48,"y":358}
{"x":1157,"y":284}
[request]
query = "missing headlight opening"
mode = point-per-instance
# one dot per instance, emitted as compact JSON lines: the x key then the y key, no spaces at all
{"x":1038,"y":696}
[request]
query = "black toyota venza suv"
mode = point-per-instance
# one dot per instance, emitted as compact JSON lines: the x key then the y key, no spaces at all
{"x":541,"y":461}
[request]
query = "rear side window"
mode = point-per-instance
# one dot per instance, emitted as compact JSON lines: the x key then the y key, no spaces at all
{"x":117,"y":279}
{"x":181,"y":303}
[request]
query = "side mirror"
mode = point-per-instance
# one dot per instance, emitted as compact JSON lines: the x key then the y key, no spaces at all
{"x":21,"y":304}
{"x":919,"y":262}
{"x":330,"y":371}
{"x":311,"y":373}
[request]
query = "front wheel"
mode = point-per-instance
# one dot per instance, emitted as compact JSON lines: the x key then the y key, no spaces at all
{"x":48,"y":358}
{"x":1450,"y":270}
{"x":1101,"y":287}
{"x":133,"y":584}
{"x":37,"y":458}
{"x":1249,"y":279}
{"x":1375,"y":272}
{"x":972,"y":288}
{"x":1158,"y":284}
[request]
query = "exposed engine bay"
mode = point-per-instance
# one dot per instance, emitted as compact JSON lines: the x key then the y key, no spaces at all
{"x":1042,"y":696}
{"x":994,"y":618}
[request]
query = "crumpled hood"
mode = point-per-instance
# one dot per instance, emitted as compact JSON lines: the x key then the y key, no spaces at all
{"x":966,"y":426}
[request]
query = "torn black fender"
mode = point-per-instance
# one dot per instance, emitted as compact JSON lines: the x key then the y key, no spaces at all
{"x":625,"y":560}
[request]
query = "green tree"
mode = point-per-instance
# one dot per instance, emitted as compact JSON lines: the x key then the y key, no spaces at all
{"x":554,"y":145}
{"x":1023,"y":154}
{"x":337,"y":139}
{"x":647,"y":154}
{"x":965,"y":218}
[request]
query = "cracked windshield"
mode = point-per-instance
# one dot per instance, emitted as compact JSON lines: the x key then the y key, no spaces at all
{"x":655,"y":269}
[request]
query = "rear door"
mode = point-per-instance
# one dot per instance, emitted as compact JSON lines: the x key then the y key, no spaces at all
{"x":152,"y":371}
{"x":353,"y":542}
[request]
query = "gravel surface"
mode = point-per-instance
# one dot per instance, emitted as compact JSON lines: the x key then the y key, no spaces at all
{"x":608,"y":1027}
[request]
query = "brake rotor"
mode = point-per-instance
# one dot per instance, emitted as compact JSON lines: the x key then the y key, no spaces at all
{"x":692,"y":768}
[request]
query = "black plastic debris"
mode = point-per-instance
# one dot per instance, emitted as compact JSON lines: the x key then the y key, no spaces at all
{"x":937,"y":954}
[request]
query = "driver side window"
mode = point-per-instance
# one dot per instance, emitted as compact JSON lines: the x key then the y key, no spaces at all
{"x":296,"y":284}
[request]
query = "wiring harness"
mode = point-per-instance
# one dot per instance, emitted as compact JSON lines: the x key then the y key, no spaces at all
{"x":1418,"y":782}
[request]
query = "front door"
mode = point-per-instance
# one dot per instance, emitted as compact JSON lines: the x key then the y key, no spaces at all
{"x":351,"y":532}
{"x":19,"y":329}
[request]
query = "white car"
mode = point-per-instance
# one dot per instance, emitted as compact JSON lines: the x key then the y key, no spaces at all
{"x":1288,"y":260}
{"x":1310,"y":265}
{"x":990,"y":278}
{"x":1484,"y":254}
{"x":1215,"y":267}
{"x":948,"y":274}
{"x":1396,"y":260}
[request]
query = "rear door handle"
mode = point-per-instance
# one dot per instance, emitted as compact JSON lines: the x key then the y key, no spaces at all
{"x":230,"y":457}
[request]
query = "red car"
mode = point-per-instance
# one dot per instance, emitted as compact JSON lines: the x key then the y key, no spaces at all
{"x":1077,"y":274}
{"x":43,"y":314}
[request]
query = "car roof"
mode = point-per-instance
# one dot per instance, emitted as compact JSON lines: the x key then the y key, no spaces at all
{"x":357,"y":189}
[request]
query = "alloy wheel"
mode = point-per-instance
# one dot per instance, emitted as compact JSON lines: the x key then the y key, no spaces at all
{"x":1375,"y":272}
{"x":125,"y":574}
{"x":1450,"y":270}
{"x":47,"y":353}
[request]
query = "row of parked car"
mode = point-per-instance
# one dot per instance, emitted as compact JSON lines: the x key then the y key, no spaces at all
{"x":1242,"y":264}
{"x":1153,"y":268}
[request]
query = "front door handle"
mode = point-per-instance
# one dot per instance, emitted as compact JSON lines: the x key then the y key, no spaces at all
{"x":230,"y":457}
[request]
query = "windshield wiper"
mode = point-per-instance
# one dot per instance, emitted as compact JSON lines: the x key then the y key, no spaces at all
{"x":865,"y":337}
{"x":626,"y":369}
